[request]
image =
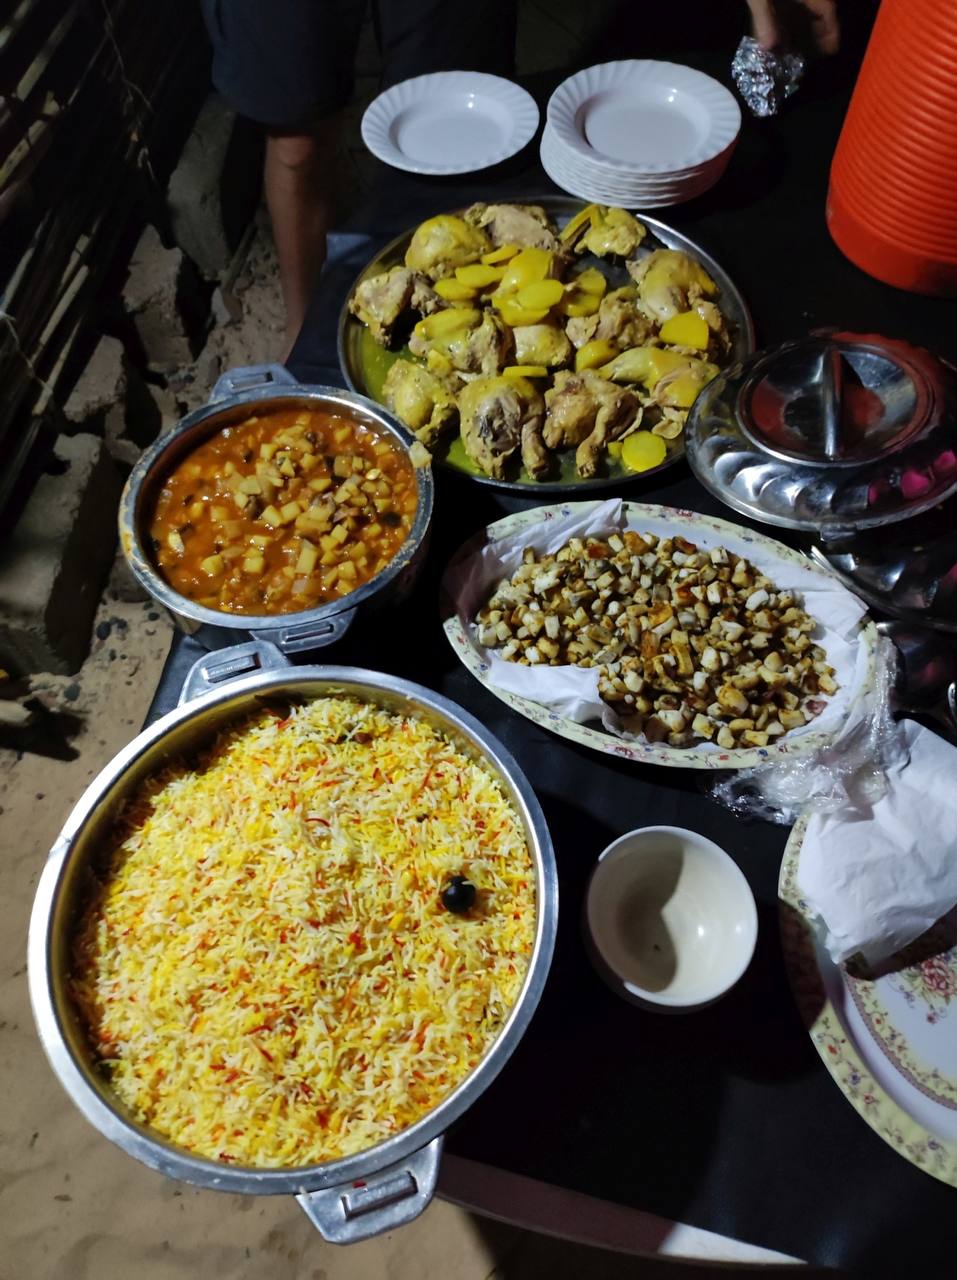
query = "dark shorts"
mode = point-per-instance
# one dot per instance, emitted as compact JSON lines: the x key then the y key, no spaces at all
{"x":289,"y":63}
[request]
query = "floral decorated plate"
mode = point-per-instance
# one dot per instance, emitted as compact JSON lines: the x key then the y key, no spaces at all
{"x":848,"y":635}
{"x":890,"y":1042}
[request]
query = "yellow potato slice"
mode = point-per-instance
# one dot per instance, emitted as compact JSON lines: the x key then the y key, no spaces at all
{"x":591,"y":281}
{"x":479,"y":276}
{"x":592,"y":354}
{"x":578,"y":303}
{"x":516,"y":315}
{"x":687,"y":329}
{"x":642,"y":451}
{"x":454,"y":290}
{"x":525,"y":371}
{"x":541,"y":294}
{"x":501,"y":254}
{"x":527,"y":267}
{"x":445,"y":322}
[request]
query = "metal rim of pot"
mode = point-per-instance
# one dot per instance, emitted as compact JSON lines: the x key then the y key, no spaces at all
{"x":396,"y":1178}
{"x":240,"y":389}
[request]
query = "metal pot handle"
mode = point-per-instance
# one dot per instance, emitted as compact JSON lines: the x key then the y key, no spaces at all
{"x":392,"y":1197}
{"x":215,"y":669}
{"x":251,"y":377}
{"x":302,"y":636}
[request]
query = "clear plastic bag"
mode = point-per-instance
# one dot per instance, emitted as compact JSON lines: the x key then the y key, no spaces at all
{"x":850,"y":772}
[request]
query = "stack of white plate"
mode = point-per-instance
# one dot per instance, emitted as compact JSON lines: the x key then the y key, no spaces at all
{"x":639,"y":134}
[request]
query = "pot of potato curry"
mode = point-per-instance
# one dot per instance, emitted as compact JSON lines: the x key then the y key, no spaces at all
{"x":277,"y":510}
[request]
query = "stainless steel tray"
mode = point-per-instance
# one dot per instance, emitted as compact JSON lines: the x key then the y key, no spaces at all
{"x":364,"y":363}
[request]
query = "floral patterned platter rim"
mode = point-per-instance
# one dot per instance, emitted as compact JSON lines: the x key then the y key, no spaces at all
{"x":598,"y":738}
{"x":877,"y":1087}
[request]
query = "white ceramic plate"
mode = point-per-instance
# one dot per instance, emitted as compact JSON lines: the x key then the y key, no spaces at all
{"x":891,"y":1042}
{"x":855,"y":676}
{"x":449,"y":122}
{"x":644,"y":117}
{"x":624,"y":183}
{"x":577,"y":181}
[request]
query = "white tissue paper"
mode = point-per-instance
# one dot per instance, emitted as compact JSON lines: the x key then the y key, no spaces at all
{"x":573,"y":691}
{"x":880,"y":874}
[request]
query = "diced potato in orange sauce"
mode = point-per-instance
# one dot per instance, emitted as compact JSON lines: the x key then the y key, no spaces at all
{"x":283,"y":512}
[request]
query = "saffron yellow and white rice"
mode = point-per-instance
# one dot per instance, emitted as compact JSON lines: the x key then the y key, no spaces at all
{"x":267,"y":972}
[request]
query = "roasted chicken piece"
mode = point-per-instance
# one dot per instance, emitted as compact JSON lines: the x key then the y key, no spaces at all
{"x":541,"y":344}
{"x":379,"y":301}
{"x":670,"y":377}
{"x":586,"y":410}
{"x":669,"y":282}
{"x":526,"y":225}
{"x":472,"y":341}
{"x":423,"y":402}
{"x":441,"y":244}
{"x":500,"y":416}
{"x":605,"y":232}
{"x":720,"y":342}
{"x":618,"y":321}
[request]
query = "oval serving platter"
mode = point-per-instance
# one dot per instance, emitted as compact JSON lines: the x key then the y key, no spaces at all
{"x":889,"y":1043}
{"x":767,"y":554}
{"x":365,"y":364}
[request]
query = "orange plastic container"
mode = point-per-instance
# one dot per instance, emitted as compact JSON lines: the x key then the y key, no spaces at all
{"x":892,"y":203}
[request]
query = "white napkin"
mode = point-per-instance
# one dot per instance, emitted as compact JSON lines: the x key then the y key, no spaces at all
{"x":879,"y":875}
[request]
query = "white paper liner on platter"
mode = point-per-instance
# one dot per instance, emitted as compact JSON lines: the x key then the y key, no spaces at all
{"x":573,"y":691}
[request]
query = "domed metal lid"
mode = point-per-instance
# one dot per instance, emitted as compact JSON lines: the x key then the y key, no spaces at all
{"x":837,"y":431}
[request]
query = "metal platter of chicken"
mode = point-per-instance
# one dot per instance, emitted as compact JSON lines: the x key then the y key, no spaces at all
{"x":551,"y":345}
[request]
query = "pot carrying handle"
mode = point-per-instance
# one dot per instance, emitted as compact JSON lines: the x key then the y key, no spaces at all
{"x":217,"y":668}
{"x":392,"y":1197}
{"x":300,"y":637}
{"x":251,"y":377}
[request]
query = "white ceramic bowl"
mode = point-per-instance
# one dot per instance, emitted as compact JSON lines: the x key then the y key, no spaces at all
{"x":671,"y":919}
{"x":449,"y":122}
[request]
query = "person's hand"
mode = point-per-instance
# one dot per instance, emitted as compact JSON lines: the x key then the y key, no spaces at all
{"x":769,"y":30}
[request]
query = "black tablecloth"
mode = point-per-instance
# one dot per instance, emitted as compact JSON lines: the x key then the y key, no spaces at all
{"x":725,"y":1119}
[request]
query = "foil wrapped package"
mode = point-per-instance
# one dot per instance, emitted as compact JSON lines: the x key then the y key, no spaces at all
{"x":764,"y":78}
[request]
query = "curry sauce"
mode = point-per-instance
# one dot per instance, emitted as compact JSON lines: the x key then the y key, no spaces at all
{"x":285,"y":511}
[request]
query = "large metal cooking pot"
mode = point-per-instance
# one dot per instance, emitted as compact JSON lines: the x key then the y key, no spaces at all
{"x":236,"y":395}
{"x":356,"y":1196}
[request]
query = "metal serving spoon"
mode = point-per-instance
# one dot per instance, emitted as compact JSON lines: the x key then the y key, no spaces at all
{"x":926,"y":674}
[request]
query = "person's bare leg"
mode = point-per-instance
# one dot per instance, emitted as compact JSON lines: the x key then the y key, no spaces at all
{"x":300,"y":191}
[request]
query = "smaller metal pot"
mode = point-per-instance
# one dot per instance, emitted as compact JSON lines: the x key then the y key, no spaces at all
{"x":235,"y":396}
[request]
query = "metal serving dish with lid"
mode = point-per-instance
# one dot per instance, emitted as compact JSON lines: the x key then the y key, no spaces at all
{"x":851,"y":438}
{"x":235,"y":396}
{"x":349,"y":1198}
{"x":834,"y":433}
